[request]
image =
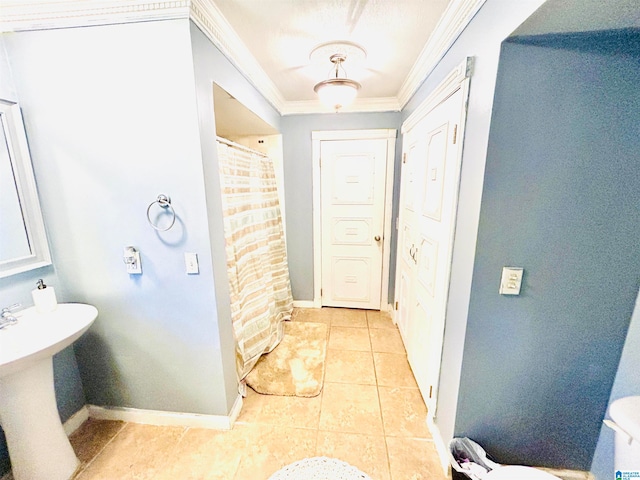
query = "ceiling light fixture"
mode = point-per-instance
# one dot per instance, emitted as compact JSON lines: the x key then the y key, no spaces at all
{"x":338,"y":91}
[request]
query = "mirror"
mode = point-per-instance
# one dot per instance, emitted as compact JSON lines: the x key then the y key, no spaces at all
{"x":23,"y":241}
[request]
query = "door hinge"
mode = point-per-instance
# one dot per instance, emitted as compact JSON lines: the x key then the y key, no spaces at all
{"x":404,"y":157}
{"x":321,"y":292}
{"x":455,"y":133}
{"x":396,"y":305}
{"x":430,"y":391}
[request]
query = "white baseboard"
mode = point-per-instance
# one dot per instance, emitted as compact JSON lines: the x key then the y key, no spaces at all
{"x":162,"y":418}
{"x":235,"y":410}
{"x":77,"y":419}
{"x":304,"y":304}
{"x":441,"y":447}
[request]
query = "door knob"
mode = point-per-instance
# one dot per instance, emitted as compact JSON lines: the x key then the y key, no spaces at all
{"x":377,"y":238}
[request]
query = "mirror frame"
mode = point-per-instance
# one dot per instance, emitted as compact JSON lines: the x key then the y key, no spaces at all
{"x":20,"y":158}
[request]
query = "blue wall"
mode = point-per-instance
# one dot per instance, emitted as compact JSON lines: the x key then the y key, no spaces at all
{"x":17,"y":289}
{"x":298,"y":182}
{"x":560,"y":199}
{"x":627,"y":383}
{"x":210,"y":67}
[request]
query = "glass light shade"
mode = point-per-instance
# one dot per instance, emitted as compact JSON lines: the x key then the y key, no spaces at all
{"x":337,"y":92}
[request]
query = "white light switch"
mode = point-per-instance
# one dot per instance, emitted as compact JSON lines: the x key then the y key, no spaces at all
{"x":191,"y":263}
{"x":511,"y":280}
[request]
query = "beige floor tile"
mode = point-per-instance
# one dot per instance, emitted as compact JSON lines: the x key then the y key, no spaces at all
{"x":404,"y":413}
{"x":92,"y":436}
{"x":136,"y":452}
{"x":393,"y":370}
{"x":204,"y":454}
{"x":351,"y":409}
{"x":413,"y":459}
{"x":347,"y":317}
{"x":318,"y":315}
{"x":348,"y":338}
{"x":366,"y":452}
{"x":378,"y":319}
{"x":300,"y":412}
{"x":270,"y":448}
{"x":386,"y":340}
{"x":251,"y":407}
{"x":350,"y":366}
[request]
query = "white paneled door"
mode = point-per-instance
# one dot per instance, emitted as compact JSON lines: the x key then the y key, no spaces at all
{"x":352,"y":183}
{"x":428,"y":207}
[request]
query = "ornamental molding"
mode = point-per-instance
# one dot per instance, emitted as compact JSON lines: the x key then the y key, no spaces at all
{"x":454,"y":20}
{"x":17,"y":16}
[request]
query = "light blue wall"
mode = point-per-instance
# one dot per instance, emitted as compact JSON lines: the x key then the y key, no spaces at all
{"x":111,"y":115}
{"x":210,"y":67}
{"x":560,"y":199}
{"x":481,"y":40}
{"x":298,"y":182}
{"x":17,"y":289}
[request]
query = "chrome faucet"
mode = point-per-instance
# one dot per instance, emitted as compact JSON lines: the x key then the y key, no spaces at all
{"x":6,"y":317}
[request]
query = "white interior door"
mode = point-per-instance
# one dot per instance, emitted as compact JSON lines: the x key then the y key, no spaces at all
{"x":429,"y":197}
{"x":352,"y":185}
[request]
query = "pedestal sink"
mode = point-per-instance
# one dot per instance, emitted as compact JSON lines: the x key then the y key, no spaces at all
{"x":38,"y":446}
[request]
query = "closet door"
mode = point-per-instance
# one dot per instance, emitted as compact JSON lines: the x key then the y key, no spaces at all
{"x":429,"y":197}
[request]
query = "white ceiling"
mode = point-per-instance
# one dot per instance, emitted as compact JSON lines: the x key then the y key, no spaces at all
{"x":281,"y":34}
{"x":270,"y":40}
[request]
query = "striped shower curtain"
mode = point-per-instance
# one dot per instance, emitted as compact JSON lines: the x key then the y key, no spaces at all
{"x":256,"y":255}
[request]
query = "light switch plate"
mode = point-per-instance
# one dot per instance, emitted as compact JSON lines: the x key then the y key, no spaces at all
{"x":191,"y":263}
{"x":511,"y":280}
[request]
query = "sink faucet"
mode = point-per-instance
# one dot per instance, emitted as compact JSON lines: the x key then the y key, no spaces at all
{"x":7,"y":318}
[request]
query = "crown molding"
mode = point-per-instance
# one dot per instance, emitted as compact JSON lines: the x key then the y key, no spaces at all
{"x":454,"y":20}
{"x":18,"y":16}
{"x":360,"y":105}
{"x":206,"y":15}
{"x":447,"y":87}
{"x":50,"y":14}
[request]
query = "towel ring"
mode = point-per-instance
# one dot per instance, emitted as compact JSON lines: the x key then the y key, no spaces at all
{"x":165,"y":202}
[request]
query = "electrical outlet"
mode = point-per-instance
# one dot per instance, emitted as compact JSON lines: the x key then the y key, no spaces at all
{"x":132,"y":261}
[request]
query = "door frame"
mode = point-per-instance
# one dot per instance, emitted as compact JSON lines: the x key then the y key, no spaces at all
{"x":458,"y":78}
{"x":317,"y":136}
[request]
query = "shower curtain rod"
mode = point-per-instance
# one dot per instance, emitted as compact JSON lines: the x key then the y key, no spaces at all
{"x":240,"y":147}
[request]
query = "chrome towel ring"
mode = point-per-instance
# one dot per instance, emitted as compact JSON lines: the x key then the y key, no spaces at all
{"x":165,"y":202}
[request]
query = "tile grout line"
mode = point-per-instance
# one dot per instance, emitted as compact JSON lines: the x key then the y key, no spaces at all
{"x":85,"y":467}
{"x":384,"y":431}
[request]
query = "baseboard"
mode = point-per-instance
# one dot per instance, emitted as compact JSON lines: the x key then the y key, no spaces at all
{"x":235,"y":410}
{"x":304,"y":304}
{"x":161,"y":418}
{"x":441,"y":447}
{"x":77,"y":419}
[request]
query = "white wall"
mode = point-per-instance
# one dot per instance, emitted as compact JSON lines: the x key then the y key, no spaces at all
{"x":111,"y":116}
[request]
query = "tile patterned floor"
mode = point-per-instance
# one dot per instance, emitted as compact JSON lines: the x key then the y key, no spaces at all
{"x":369,"y":414}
